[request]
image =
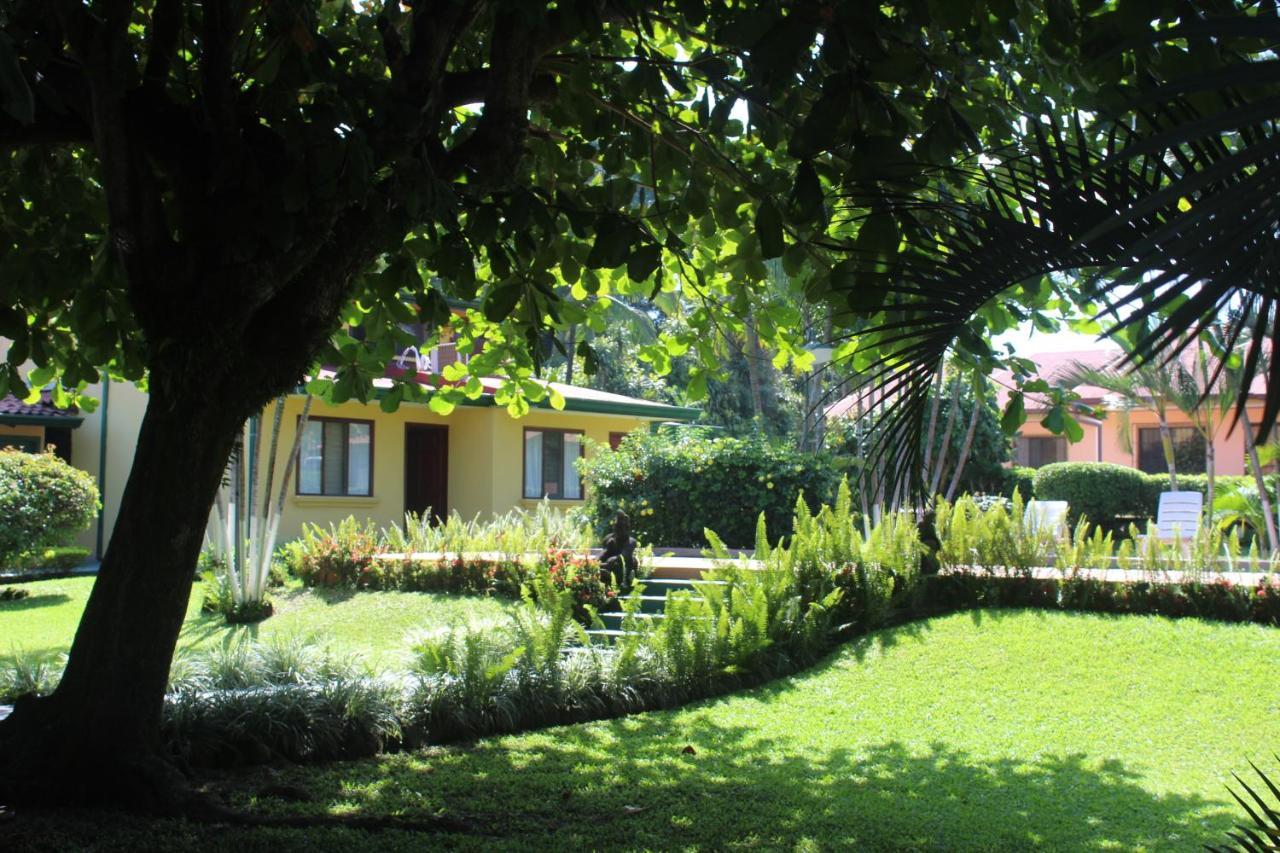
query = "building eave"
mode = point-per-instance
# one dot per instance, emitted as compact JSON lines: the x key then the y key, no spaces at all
{"x":72,"y":421}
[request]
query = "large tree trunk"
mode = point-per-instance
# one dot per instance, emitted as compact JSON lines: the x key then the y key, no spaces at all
{"x":97,"y":737}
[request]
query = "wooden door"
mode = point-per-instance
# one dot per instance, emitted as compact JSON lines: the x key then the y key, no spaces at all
{"x":426,"y":469}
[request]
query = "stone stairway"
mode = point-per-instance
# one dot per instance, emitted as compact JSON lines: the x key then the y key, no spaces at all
{"x":669,"y":574}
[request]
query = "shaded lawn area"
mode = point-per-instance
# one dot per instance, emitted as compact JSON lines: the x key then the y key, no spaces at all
{"x":367,"y":622}
{"x":986,"y":730}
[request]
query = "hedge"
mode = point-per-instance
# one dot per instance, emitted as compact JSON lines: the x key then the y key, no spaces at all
{"x":1103,"y":492}
{"x":673,"y":486}
{"x":1021,"y":480}
{"x":44,"y":502}
{"x":1098,"y":491}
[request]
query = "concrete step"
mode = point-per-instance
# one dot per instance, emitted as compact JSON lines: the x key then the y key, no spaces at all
{"x":613,"y":619}
{"x":650,"y":603}
{"x":661,"y":586}
{"x":605,"y":636}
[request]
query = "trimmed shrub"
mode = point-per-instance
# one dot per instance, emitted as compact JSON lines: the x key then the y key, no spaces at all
{"x":1020,"y":480}
{"x":675,"y":486}
{"x":60,"y":559}
{"x":44,"y":502}
{"x":1157,"y":483}
{"x":1099,"y":491}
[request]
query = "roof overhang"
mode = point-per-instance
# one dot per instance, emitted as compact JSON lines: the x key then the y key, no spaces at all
{"x":71,"y":421}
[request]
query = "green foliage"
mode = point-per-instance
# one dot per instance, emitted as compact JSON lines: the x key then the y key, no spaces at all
{"x":1020,"y":480}
{"x":512,"y":534}
{"x":1098,"y":491}
{"x":343,"y":554}
{"x":675,"y":484}
{"x":23,"y":674}
{"x":248,"y":703}
{"x":59,"y":559}
{"x":44,"y":502}
{"x":998,"y":539}
{"x":1261,"y":802}
{"x":1238,"y":502}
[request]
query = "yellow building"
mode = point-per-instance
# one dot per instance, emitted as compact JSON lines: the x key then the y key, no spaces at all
{"x":356,"y":459}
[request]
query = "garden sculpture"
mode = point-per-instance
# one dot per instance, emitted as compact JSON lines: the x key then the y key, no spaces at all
{"x":618,"y":561}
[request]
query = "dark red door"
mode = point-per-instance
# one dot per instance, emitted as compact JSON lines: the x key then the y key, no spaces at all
{"x":426,"y":469}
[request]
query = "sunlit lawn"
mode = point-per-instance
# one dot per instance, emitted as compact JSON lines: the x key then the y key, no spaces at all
{"x":989,"y":730}
{"x":367,"y":622}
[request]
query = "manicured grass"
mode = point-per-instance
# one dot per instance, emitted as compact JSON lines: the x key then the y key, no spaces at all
{"x":985,"y":730}
{"x":368,"y":622}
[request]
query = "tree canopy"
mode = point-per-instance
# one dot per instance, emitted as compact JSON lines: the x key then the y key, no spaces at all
{"x":218,"y":197}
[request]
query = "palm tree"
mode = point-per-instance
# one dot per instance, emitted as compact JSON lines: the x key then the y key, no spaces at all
{"x":1168,"y":210}
{"x":1141,"y":386}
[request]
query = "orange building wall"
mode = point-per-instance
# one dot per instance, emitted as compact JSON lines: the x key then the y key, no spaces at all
{"x":1228,"y":443}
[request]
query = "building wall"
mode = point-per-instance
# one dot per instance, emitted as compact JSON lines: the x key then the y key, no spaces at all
{"x":25,"y":431}
{"x":486,"y":459}
{"x":1228,"y":443}
{"x":120,"y":409}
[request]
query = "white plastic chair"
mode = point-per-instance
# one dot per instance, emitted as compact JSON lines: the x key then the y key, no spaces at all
{"x":1045,"y":515}
{"x":1178,"y":515}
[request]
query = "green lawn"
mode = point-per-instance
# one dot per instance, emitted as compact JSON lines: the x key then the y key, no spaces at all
{"x":368,"y":622}
{"x":989,"y":730}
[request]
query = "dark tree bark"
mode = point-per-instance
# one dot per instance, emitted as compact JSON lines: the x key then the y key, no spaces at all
{"x":225,"y":333}
{"x":96,"y":737}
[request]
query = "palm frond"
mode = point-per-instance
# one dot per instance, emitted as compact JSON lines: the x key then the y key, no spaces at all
{"x":1169,"y":214}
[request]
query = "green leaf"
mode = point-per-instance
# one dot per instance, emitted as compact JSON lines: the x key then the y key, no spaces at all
{"x":556,"y":398}
{"x":769,"y":229}
{"x":1015,"y":413}
{"x":643,"y":261}
{"x":501,"y":301}
{"x":440,"y":404}
{"x":879,"y":235}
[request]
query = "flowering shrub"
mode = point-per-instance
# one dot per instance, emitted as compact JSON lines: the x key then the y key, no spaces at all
{"x":44,"y":502}
{"x":580,"y":575}
{"x":338,"y":555}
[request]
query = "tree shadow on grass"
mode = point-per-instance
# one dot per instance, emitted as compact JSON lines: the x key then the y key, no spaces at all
{"x":657,"y":782}
{"x":32,"y":602}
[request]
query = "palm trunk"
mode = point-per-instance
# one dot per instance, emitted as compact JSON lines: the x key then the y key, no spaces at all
{"x":1209,"y":460}
{"x":1166,"y":443}
{"x":97,"y":737}
{"x":966,"y":448}
{"x":936,"y":482}
{"x":1260,"y":480}
{"x":932,"y":432}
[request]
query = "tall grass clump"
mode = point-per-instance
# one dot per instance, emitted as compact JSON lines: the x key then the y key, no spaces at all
{"x":28,"y":674}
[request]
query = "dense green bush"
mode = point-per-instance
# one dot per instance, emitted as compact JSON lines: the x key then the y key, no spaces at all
{"x":59,"y":559}
{"x":675,"y":485}
{"x":44,"y":502}
{"x":1098,"y":491}
{"x":1103,"y":492}
{"x":1020,"y":480}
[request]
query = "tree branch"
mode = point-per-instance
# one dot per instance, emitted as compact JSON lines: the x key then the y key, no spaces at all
{"x":162,"y":42}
